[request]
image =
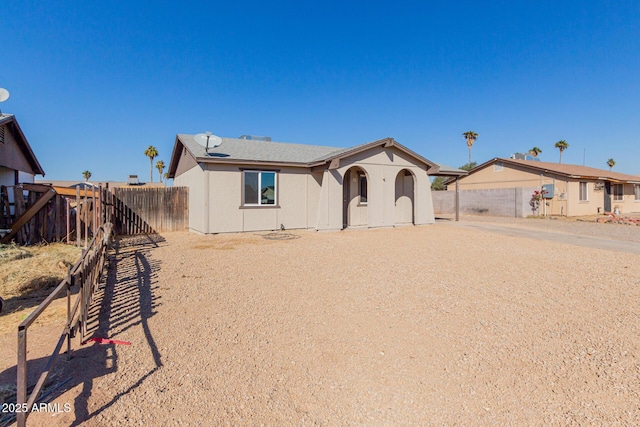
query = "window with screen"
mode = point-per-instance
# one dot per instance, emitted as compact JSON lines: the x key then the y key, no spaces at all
{"x":584,"y":192}
{"x":618,"y":192}
{"x":259,"y":188}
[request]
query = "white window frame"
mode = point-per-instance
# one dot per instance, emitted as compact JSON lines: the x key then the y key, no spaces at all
{"x":636,"y":191}
{"x":586,"y":191}
{"x":618,"y":197}
{"x":275,"y":188}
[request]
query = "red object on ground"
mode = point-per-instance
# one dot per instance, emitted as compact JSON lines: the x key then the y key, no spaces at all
{"x":106,"y":341}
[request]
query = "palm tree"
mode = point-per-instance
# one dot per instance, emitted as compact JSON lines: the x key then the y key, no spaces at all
{"x":611,"y":163}
{"x":160,"y":167}
{"x":151,"y":152}
{"x":535,"y":151}
{"x":471,"y":138}
{"x":86,"y":175}
{"x":561,"y":145}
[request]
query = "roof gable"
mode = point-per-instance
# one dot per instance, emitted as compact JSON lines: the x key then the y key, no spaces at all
{"x":16,"y":151}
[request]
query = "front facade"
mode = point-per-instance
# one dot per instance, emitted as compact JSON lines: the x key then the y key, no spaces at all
{"x":254,"y":185}
{"x":18,"y":163}
{"x":573,"y":190}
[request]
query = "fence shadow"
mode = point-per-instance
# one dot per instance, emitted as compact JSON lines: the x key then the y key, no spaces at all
{"x":128,"y":301}
{"x":125,"y":301}
{"x":126,"y":220}
{"x":147,"y":210}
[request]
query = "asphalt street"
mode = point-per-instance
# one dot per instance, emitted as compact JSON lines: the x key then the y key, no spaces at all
{"x":572,"y":239}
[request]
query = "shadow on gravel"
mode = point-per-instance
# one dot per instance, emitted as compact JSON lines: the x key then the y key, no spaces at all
{"x":128,"y":301}
{"x":125,"y":301}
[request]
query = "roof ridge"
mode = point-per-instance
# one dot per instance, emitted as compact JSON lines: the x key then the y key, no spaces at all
{"x":566,"y":168}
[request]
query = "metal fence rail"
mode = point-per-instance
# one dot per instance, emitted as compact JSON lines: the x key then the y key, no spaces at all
{"x":86,"y":273}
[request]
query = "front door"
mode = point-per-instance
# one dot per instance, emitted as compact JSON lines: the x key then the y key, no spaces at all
{"x":607,"y":196}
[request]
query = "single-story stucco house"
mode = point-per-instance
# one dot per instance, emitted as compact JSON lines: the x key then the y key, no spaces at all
{"x":572,"y":190}
{"x":253,"y":184}
{"x":18,"y":163}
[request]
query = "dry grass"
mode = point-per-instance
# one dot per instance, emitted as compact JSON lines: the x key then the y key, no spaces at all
{"x":27,"y":276}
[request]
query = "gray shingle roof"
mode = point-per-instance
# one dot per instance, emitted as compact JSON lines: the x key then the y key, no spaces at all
{"x":258,"y":151}
{"x":445,"y":170}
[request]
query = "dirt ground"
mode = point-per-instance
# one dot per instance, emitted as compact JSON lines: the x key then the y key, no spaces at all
{"x":430,"y":325}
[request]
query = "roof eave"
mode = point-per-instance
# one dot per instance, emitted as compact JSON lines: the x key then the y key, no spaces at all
{"x":234,"y":161}
{"x":175,"y":158}
{"x":35,"y":164}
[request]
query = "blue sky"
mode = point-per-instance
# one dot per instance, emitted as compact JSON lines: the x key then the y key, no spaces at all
{"x":94,"y":83}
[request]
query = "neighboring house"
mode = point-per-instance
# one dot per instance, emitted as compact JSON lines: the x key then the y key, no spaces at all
{"x":18,"y":163}
{"x":573,"y":190}
{"x":252,"y":185}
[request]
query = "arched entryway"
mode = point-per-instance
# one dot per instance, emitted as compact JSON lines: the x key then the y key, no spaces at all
{"x":355,"y":193}
{"x":405,"y":197}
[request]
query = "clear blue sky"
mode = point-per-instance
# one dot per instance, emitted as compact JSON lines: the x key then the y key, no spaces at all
{"x":94,"y":83}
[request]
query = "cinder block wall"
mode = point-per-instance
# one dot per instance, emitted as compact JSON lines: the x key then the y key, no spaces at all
{"x":511,"y":202}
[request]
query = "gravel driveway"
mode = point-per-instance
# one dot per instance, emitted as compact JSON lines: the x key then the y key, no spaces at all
{"x":430,"y":325}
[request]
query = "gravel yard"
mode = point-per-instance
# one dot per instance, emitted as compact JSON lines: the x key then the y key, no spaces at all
{"x":430,"y":325}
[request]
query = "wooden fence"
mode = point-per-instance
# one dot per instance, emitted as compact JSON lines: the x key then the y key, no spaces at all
{"x":36,"y":212}
{"x":148,"y":210}
{"x":42,"y":213}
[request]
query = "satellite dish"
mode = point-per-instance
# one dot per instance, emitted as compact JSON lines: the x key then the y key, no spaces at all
{"x":4,"y":94}
{"x":208,"y":140}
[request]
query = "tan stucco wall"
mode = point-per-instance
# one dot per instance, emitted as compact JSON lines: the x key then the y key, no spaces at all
{"x":297,"y":193}
{"x":381,"y":167}
{"x":629,"y":204}
{"x":358,"y":212}
{"x":314,"y":188}
{"x":185,"y":163}
{"x":194,"y":178}
{"x":566,"y":195}
{"x":489,"y":178}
